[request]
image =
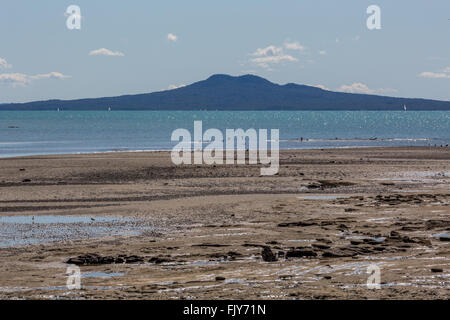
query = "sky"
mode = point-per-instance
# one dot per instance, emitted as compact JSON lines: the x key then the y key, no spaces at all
{"x":129,"y":47}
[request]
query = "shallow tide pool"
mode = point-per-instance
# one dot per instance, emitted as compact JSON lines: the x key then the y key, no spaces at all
{"x":25,"y":230}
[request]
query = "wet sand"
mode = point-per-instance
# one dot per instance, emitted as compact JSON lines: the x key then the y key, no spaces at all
{"x":225,"y":232}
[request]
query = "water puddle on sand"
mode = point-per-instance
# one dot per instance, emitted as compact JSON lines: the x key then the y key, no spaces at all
{"x":328,"y":197}
{"x":416,"y":176}
{"x":429,"y":174}
{"x":380,"y":240}
{"x":445,"y":235}
{"x":199,"y":263}
{"x":25,"y":230}
{"x":380,"y":220}
{"x":235,"y":280}
{"x":302,"y":240}
{"x":58,"y":288}
{"x":54,"y":219}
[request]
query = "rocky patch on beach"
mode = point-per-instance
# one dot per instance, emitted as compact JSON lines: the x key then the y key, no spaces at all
{"x":362,"y":245}
{"x":397,"y":199}
{"x":329,"y":184}
{"x":92,"y":259}
{"x":96,"y":259}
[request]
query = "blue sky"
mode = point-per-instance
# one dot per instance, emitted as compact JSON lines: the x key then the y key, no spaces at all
{"x":323,"y":43}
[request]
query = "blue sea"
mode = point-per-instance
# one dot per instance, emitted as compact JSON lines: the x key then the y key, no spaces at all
{"x":68,"y":132}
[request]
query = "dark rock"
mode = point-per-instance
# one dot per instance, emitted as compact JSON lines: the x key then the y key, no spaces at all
{"x":268,"y":255}
{"x":90,"y":259}
{"x":328,"y":241}
{"x":233,"y":254}
{"x":361,"y":249}
{"x":433,"y":224}
{"x":339,"y":253}
{"x":133,"y":259}
{"x":26,"y":180}
{"x":297,"y":224}
{"x":300,"y":253}
{"x":220,"y":278}
{"x":254,"y":245}
{"x":342,"y":226}
{"x":158,"y":260}
{"x":320,"y":246}
{"x":395,"y":234}
{"x":436,"y":270}
{"x":213,"y":245}
{"x":326,"y":184}
{"x":217,"y":255}
{"x":371,"y":242}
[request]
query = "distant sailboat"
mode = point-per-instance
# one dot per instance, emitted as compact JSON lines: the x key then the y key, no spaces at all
{"x":404,"y":107}
{"x":109,"y":109}
{"x":57,"y":110}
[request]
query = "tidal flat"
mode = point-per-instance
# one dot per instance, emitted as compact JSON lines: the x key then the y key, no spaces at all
{"x":139,"y":227}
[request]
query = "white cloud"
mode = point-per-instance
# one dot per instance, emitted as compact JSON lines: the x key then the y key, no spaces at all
{"x":435,"y":75}
{"x":294,"y":46}
{"x":270,"y":55}
{"x":4,"y":64}
{"x":320,"y":86}
{"x":172,"y":37}
{"x":359,"y":87}
{"x":173,"y":86}
{"x":356,"y":87}
{"x":268,"y":51}
{"x":14,"y":79}
{"x":51,"y":75}
{"x":106,"y":52}
{"x":20,"y":79}
{"x":322,"y":52}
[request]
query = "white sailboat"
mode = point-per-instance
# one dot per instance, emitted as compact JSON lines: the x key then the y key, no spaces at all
{"x":404,"y":107}
{"x":109,"y":109}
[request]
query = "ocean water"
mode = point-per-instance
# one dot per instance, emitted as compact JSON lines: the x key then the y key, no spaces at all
{"x":66,"y":132}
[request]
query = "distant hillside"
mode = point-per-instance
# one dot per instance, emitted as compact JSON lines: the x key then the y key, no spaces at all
{"x":248,"y":92}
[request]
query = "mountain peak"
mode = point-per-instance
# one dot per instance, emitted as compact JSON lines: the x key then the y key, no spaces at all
{"x":247,"y":79}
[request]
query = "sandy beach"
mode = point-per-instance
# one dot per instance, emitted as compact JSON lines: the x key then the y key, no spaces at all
{"x":140,"y":227}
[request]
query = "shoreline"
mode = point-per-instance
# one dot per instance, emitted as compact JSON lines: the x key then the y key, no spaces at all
{"x":281,"y":150}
